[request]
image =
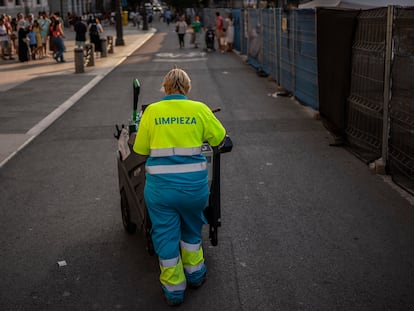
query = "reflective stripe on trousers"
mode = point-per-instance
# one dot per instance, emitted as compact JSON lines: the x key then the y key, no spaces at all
{"x":172,"y":274}
{"x":192,"y":257}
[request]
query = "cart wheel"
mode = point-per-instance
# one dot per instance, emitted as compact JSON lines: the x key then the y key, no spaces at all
{"x":129,"y":226}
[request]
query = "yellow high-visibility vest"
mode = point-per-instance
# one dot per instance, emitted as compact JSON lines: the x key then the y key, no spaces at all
{"x":177,"y":126}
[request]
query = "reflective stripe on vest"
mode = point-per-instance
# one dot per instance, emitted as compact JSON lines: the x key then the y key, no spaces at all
{"x":179,"y":168}
{"x":167,"y":152}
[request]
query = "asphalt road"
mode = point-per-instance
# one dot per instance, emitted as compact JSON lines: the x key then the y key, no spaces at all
{"x":305,"y":226}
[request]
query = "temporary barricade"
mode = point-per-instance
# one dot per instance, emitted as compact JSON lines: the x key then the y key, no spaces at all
{"x":365,"y":102}
{"x":306,"y":65}
{"x":284,"y":45}
{"x":401,"y":143}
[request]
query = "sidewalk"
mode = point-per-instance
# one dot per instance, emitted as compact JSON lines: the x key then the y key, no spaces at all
{"x":32,"y":93}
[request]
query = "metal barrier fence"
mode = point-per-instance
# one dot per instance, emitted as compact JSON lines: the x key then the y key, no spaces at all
{"x":365,"y":102}
{"x":401,"y":143}
{"x":306,"y":64}
{"x":254,"y":42}
{"x":283,"y":44}
{"x":271,"y":42}
{"x":237,"y":16}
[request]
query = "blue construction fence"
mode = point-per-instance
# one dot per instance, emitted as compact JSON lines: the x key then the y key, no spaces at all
{"x":281,"y":44}
{"x":363,"y":83}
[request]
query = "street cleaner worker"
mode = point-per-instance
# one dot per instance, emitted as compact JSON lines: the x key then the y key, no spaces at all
{"x":171,"y":133}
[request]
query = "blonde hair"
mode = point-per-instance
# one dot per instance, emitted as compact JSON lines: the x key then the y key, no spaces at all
{"x":176,"y":81}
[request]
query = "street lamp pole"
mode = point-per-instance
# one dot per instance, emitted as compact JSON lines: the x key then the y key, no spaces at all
{"x":118,"y":20}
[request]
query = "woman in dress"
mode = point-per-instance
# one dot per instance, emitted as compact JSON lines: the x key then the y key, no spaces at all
{"x":95,"y":29}
{"x":22,"y":39}
{"x":229,"y":32}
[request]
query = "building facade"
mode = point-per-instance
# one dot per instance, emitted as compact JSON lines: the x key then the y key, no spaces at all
{"x":12,"y":7}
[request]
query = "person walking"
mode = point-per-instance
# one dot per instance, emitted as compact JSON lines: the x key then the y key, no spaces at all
{"x":80,"y":30}
{"x":167,"y":16}
{"x":196,"y":25}
{"x":171,"y":133}
{"x":95,"y":29}
{"x":181,"y":29}
{"x":229,"y":32}
{"x":52,"y":42}
{"x":219,"y":31}
{"x":60,"y":44}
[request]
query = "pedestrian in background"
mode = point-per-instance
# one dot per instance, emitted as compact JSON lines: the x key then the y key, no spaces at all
{"x":13,"y":35}
{"x":5,"y":40}
{"x":181,"y":29}
{"x":31,"y":36}
{"x":196,"y":25}
{"x":44,"y":23}
{"x":60,"y":44}
{"x":95,"y":29}
{"x":80,"y":30}
{"x":52,"y":41}
{"x":22,"y":39}
{"x":229,"y":32}
{"x":176,"y":189}
{"x":167,"y":16}
{"x":219,"y":30}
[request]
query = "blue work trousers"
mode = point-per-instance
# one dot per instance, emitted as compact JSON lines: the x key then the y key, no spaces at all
{"x":177,"y":215}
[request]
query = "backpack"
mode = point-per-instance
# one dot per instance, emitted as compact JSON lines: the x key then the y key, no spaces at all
{"x":93,"y":30}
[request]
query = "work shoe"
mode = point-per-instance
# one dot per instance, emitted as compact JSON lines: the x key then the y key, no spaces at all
{"x":173,"y":302}
{"x":199,"y":283}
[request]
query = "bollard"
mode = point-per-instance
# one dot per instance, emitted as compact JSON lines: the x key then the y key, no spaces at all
{"x":110,"y":41}
{"x":103,"y":47}
{"x":79,"y":63}
{"x":89,"y":55}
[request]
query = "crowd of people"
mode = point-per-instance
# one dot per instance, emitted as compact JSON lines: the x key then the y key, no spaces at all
{"x":29,"y":37}
{"x":222,"y":31}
